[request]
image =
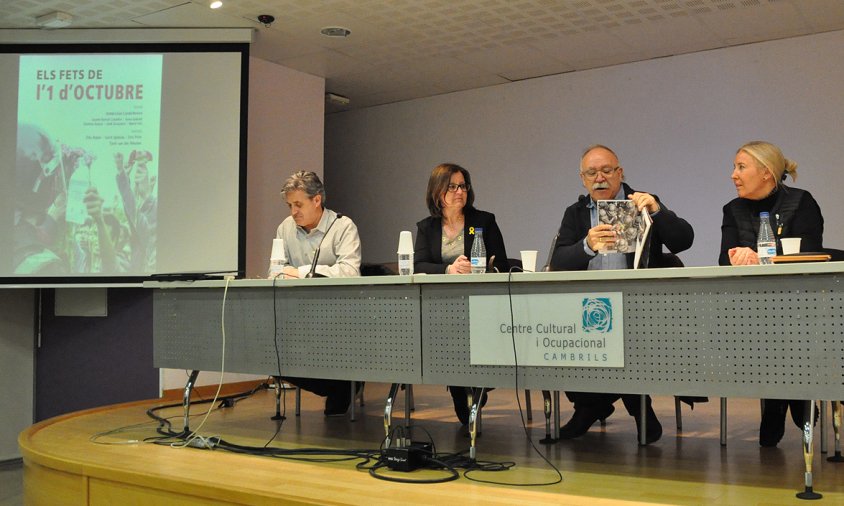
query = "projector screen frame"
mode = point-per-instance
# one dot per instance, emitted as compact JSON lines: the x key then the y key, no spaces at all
{"x":105,"y":47}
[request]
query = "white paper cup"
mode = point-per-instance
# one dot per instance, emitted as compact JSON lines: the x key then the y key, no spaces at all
{"x":790,"y":245}
{"x":529,"y":260}
{"x":405,"y":242}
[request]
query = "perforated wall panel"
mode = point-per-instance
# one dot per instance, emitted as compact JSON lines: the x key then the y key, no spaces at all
{"x":778,"y":336}
{"x":369,"y":333}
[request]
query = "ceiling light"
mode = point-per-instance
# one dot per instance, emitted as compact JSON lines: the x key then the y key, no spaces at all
{"x":335,"y":31}
{"x":215,"y":4}
{"x":56,"y":19}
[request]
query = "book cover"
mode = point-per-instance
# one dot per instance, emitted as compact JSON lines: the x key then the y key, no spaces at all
{"x":631,"y":227}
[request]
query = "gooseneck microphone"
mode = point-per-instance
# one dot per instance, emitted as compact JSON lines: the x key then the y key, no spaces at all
{"x":312,"y":272}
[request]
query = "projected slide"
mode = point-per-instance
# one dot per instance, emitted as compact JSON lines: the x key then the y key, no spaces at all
{"x":87,"y":165}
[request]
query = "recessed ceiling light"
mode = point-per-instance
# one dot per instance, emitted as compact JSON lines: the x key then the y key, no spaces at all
{"x":216,"y":4}
{"x":55,"y":19}
{"x":335,"y":31}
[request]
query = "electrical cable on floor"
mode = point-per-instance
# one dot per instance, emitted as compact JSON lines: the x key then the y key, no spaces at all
{"x":559,"y":478}
{"x":431,"y":460}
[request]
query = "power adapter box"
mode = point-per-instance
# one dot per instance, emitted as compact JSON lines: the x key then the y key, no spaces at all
{"x":408,"y":458}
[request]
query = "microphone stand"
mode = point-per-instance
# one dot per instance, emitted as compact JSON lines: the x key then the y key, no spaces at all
{"x":312,"y":272}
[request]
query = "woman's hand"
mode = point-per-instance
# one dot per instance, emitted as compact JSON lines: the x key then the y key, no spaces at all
{"x":460,"y":266}
{"x":743,"y":256}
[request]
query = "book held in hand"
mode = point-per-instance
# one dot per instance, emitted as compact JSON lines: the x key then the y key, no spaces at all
{"x":631,"y":227}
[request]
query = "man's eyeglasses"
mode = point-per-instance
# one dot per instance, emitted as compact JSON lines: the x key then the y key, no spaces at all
{"x":453,"y":187}
{"x":593,"y":173}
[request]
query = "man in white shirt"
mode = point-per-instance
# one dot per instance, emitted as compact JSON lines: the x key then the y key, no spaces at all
{"x":311,"y":227}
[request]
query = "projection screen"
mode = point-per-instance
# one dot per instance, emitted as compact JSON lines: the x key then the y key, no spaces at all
{"x":122,"y":161}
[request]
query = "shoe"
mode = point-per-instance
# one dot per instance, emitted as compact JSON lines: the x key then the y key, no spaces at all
{"x":582,"y":419}
{"x":338,"y":404}
{"x":653,"y":431}
{"x":772,"y":427}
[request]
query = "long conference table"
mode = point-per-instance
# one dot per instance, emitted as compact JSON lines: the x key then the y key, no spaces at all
{"x":756,"y":331}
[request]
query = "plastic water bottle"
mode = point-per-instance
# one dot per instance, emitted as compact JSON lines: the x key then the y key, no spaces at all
{"x":277,"y":258}
{"x":405,"y":253}
{"x":478,"y":252}
{"x":276,"y":267}
{"x":766,"y":243}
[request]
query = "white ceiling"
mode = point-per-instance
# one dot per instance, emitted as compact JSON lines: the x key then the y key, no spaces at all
{"x":404,"y":49}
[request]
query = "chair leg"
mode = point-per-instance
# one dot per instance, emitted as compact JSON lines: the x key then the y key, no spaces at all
{"x":408,"y":407}
{"x":724,"y":421}
{"x":823,"y":426}
{"x":678,"y":413}
{"x":546,"y":410}
{"x":277,"y":387}
{"x":527,"y":406}
{"x":298,"y":401}
{"x":353,"y":386}
{"x":388,"y":412}
{"x":643,"y":425}
{"x":557,"y":414}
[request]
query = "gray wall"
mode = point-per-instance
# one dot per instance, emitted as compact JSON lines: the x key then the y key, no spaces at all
{"x":675,"y":123}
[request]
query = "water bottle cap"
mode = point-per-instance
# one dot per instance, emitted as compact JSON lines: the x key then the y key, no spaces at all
{"x":763,"y":214}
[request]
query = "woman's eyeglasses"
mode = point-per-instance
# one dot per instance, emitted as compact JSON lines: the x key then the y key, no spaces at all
{"x":453,"y":187}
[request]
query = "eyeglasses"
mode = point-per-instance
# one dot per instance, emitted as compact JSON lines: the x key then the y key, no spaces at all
{"x":453,"y":187}
{"x":593,"y":173}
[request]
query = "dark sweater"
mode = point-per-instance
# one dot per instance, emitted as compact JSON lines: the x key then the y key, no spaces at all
{"x":794,"y":213}
{"x":668,"y":229}
{"x":427,"y":255}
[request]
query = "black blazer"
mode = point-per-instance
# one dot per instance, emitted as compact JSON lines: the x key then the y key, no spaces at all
{"x":427,"y":254}
{"x":668,"y":229}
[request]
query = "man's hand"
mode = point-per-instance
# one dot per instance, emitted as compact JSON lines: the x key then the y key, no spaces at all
{"x":644,"y":201}
{"x":600,"y":237}
{"x":290,"y":272}
{"x":743,"y":256}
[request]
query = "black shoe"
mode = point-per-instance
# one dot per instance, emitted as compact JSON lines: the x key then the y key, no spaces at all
{"x":772,"y":427}
{"x":653,"y":430}
{"x":338,"y":404}
{"x":582,"y":419}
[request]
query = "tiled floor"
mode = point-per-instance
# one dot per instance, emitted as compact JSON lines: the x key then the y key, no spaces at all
{"x":11,"y":483}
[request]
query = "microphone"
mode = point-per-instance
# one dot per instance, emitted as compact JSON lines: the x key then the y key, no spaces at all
{"x":551,"y":252}
{"x":312,"y":273}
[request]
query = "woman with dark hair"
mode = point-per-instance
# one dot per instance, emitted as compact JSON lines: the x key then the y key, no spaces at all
{"x":759,"y":169}
{"x":444,"y":239}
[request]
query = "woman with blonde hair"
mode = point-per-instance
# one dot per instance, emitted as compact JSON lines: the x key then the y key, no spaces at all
{"x":759,"y":169}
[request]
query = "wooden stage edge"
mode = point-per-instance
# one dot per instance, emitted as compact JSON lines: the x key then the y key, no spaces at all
{"x":62,"y":465}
